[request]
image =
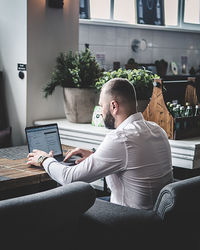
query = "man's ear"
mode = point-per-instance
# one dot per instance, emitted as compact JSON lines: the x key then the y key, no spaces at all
{"x":114,"y":107}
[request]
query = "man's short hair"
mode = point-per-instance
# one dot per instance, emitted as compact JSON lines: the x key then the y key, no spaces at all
{"x":121,"y":90}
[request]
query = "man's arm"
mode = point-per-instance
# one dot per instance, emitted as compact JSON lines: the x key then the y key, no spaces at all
{"x":109,"y":158}
{"x":78,"y":151}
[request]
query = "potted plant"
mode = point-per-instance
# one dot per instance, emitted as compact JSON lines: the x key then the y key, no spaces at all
{"x":77,"y":73}
{"x":141,"y":79}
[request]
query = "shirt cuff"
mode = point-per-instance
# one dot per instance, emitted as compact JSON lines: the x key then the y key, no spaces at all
{"x":48,"y":161}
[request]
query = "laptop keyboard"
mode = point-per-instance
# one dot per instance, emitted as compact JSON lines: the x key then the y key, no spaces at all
{"x":69,"y":162}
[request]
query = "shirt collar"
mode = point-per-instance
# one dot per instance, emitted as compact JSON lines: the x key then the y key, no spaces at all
{"x":135,"y":117}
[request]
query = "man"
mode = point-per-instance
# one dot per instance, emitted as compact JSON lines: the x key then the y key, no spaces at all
{"x":135,"y":157}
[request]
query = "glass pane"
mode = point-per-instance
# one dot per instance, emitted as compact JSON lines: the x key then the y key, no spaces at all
{"x":192,"y":11}
{"x":171,"y":12}
{"x":100,"y":9}
{"x":83,"y":11}
{"x":125,"y":10}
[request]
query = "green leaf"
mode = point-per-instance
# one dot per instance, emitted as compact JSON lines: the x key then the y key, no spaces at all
{"x":142,"y":80}
{"x":74,"y":70}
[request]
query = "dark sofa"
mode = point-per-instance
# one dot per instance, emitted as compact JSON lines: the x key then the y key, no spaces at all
{"x":45,"y":220}
{"x":68,"y":217}
{"x":174,"y":223}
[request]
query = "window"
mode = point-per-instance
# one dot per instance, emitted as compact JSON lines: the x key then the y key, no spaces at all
{"x":125,"y":11}
{"x":182,"y":14}
{"x":100,"y":9}
{"x":150,"y":12}
{"x":84,"y":9}
{"x":171,"y":12}
{"x":192,"y":11}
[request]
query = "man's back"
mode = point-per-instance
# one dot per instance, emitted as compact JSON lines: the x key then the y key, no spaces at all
{"x":147,"y":163}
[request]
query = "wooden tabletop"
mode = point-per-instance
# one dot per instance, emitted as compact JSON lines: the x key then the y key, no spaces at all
{"x":15,"y":173}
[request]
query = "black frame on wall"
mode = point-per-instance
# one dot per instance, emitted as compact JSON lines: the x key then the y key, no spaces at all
{"x":58,"y":4}
{"x":84,"y":11}
{"x":150,"y":12}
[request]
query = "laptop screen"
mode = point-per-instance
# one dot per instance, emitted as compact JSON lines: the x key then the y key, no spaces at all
{"x":45,"y":138}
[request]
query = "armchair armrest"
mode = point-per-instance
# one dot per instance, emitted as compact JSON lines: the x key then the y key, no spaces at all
{"x":47,"y":217}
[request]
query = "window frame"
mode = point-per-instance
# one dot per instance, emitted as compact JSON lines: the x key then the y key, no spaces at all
{"x":181,"y":25}
{"x":192,"y":26}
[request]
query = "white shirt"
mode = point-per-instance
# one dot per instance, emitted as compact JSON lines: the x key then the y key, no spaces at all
{"x":135,"y":158}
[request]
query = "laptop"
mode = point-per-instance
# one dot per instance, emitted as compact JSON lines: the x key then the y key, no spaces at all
{"x":47,"y":138}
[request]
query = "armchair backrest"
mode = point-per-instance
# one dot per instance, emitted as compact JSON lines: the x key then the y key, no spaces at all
{"x":49,"y":217}
{"x":178,"y":203}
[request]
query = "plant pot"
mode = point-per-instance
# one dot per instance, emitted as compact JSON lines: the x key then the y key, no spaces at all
{"x":142,"y":104}
{"x":79,"y":104}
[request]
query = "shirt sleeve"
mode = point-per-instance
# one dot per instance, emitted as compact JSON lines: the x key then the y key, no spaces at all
{"x":109,"y":158}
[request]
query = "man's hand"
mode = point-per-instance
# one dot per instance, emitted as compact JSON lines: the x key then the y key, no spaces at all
{"x":78,"y":151}
{"x":34,"y":156}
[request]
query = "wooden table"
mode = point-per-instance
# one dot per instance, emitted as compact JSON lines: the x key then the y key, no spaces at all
{"x":15,"y":173}
{"x":17,"y":178}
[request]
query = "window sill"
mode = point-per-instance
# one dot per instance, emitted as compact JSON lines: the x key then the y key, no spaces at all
{"x":112,"y":23}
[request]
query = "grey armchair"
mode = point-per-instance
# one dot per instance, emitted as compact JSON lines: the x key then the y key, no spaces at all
{"x":45,"y":220}
{"x":174,"y":223}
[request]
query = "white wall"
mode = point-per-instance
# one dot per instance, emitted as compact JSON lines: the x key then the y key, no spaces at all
{"x":115,"y":42}
{"x":32,"y":33}
{"x":50,"y":31}
{"x":13,"y":44}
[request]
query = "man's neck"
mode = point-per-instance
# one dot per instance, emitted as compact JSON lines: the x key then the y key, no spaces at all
{"x":120,"y":119}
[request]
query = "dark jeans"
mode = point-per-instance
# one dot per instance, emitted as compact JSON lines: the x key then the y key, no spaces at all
{"x":105,"y":198}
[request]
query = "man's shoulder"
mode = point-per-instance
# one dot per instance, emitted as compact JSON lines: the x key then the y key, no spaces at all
{"x":115,"y":134}
{"x":157,"y":130}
